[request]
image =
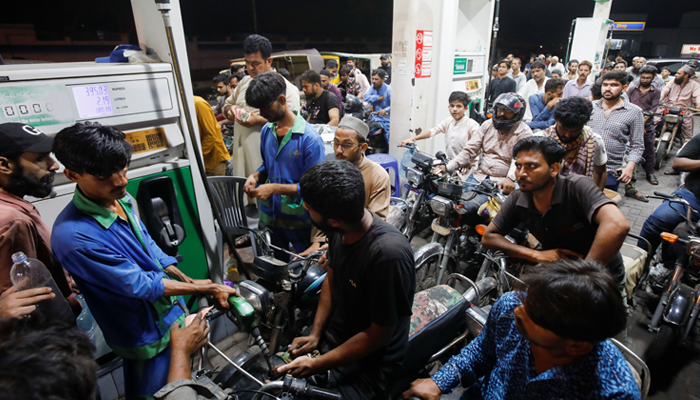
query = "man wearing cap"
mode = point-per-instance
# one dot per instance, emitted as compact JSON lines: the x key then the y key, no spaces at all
{"x":26,"y":169}
{"x":694,"y":64}
{"x":350,"y":144}
{"x":682,"y":92}
{"x":386,"y":66}
{"x":331,"y":88}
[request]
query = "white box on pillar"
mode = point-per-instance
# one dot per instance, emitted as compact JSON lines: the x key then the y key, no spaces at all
{"x":423,"y":72}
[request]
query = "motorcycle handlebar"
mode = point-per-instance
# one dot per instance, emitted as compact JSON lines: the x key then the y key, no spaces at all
{"x":661,"y":194}
{"x":301,"y":388}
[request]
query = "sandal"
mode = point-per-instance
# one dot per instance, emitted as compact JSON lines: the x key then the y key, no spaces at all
{"x":637,"y":196}
{"x":651,"y":178}
{"x":671,"y":172}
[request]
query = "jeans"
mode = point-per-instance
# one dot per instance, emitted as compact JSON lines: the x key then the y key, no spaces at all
{"x":612,"y":182}
{"x":471,"y":207}
{"x":665,"y":218}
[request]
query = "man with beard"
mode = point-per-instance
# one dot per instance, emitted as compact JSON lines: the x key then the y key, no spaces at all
{"x":362,"y":320}
{"x":682,"y":92}
{"x":585,"y":150}
{"x":637,"y":64}
{"x":543,"y":104}
{"x":569,"y":215}
{"x":350,"y":143}
{"x":331,"y":88}
{"x":618,"y":121}
{"x":322,"y":106}
{"x":380,"y":97}
{"x":647,"y":97}
{"x":289,"y":146}
{"x":572,"y":73}
{"x":386,"y":67}
{"x":360,"y":78}
{"x":533,"y":86}
{"x":26,"y":169}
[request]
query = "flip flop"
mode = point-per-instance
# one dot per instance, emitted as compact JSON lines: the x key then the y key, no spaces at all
{"x":652,"y":179}
{"x":637,"y":196}
{"x":671,"y":172}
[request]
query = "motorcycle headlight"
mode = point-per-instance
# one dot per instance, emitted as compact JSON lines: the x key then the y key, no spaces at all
{"x":414,"y":176}
{"x":441,"y":206}
{"x":255,"y":294}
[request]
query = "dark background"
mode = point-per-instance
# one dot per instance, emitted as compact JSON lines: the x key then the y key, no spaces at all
{"x":327,"y":24}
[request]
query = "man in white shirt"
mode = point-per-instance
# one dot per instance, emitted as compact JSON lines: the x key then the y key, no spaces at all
{"x":556,"y":65}
{"x":516,"y":75}
{"x":533,"y":86}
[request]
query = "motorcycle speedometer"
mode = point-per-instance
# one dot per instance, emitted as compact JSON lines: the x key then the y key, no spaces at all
{"x":693,"y":248}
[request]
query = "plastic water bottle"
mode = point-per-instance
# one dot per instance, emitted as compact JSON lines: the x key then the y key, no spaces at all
{"x":30,"y":273}
{"x":85,"y":320}
{"x":406,"y":161}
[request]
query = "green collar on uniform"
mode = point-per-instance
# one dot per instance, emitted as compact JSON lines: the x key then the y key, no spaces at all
{"x":298,"y":127}
{"x":103,"y":216}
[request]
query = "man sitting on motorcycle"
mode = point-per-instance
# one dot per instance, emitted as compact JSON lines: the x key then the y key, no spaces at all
{"x":667,"y":215}
{"x":362,"y":320}
{"x":681,"y":92}
{"x":380,"y":97}
{"x":547,"y":343}
{"x":569,"y":215}
{"x":495,"y":139}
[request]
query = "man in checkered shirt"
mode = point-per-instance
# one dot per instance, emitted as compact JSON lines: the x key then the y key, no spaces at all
{"x":618,"y":121}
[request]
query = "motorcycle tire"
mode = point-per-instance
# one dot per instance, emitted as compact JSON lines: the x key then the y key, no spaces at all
{"x":427,"y":272}
{"x":662,"y":342}
{"x":660,"y":154}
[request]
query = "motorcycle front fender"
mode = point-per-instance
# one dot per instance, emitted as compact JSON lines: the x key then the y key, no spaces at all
{"x":680,"y":303}
{"x":666,"y":137}
{"x":427,"y":251}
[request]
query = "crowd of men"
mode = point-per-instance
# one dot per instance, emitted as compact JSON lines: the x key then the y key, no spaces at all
{"x":557,"y":137}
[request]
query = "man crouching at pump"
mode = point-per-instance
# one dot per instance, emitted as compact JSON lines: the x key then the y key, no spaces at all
{"x":549,"y":342}
{"x":362,"y":320}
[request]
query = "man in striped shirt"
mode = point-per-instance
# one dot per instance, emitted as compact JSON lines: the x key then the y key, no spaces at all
{"x":618,"y":121}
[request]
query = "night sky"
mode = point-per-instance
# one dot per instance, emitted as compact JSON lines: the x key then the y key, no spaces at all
{"x":525,"y":25}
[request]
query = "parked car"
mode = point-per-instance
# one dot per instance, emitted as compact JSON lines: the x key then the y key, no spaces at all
{"x":673,"y":64}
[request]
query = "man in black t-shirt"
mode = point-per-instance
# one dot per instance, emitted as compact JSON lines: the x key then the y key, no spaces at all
{"x":569,"y":214}
{"x":667,"y":215}
{"x":323,"y":107}
{"x":362,"y":320}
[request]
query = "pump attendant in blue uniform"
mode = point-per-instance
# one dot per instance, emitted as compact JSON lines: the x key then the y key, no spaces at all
{"x":130,"y":285}
{"x":289,"y":147}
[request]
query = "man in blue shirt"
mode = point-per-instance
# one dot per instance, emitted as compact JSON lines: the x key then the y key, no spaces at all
{"x":542,"y":105}
{"x":380,"y":97}
{"x":548,"y":343}
{"x":289,"y":146}
{"x":120,"y":270}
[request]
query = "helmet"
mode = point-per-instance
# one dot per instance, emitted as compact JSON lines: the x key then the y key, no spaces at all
{"x":352,"y":104}
{"x":511,"y":102}
{"x":693,"y":64}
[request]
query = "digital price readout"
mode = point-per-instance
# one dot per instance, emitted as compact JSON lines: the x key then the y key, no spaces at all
{"x":92,"y":101}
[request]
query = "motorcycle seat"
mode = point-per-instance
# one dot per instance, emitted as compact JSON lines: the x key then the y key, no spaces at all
{"x":438,"y":317}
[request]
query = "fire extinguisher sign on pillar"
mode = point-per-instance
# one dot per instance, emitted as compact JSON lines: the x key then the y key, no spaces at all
{"x":424,"y":53}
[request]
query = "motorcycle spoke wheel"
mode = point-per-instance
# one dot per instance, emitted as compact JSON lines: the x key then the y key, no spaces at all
{"x":427,"y":273}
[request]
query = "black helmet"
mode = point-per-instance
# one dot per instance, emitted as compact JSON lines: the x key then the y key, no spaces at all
{"x":511,"y":102}
{"x":352,"y":104}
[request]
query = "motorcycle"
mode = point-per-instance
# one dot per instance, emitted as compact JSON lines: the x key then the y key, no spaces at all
{"x":672,"y":120}
{"x":461,"y":250}
{"x":419,"y":189}
{"x":377,"y":141}
{"x":676,"y":313}
{"x":443,"y":321}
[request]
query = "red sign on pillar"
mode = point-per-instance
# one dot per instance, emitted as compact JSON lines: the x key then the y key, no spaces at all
{"x":424,"y":53}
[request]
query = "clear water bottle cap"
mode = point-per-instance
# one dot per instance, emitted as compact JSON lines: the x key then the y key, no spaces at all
{"x":18,"y":257}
